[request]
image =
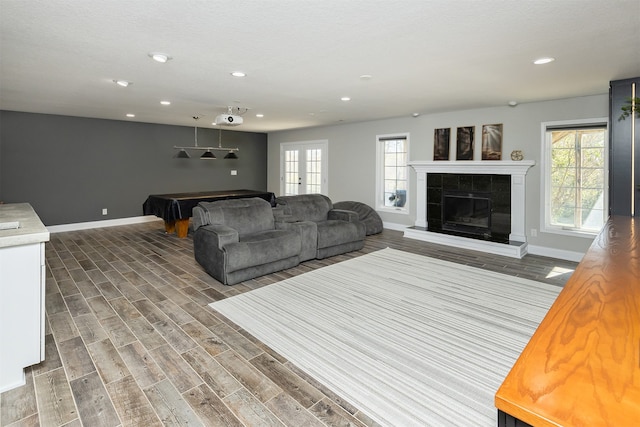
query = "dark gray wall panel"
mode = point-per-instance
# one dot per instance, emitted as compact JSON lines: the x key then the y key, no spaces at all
{"x":621,"y":160}
{"x":70,"y":168}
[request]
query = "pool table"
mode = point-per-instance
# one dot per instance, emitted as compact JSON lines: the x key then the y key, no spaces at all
{"x":176,"y":209}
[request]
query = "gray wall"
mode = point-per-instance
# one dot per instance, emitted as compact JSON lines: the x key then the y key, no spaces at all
{"x":70,"y":168}
{"x":352,"y":152}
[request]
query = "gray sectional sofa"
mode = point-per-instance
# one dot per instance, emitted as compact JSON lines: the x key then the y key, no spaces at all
{"x":337,"y":231}
{"x":236,"y":240}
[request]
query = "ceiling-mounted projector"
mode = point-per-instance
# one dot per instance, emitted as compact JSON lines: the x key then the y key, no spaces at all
{"x":228,"y":120}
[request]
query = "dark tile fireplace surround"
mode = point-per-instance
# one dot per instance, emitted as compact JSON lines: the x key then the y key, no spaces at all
{"x":495,"y":188}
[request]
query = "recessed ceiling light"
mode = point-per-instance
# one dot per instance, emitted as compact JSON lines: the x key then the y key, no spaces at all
{"x":541,"y":61}
{"x":366,"y":77}
{"x":160,"y":57}
{"x":260,"y":115}
{"x":238,"y":74}
{"x":122,"y":83}
{"x":345,"y":98}
{"x":130,"y":115}
{"x":165,"y":102}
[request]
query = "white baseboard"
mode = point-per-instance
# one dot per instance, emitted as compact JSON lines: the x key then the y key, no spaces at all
{"x":99,"y":224}
{"x":150,"y":218}
{"x":394,"y":226}
{"x":556,"y":253}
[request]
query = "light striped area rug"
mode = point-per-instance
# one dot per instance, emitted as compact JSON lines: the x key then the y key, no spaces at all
{"x":409,"y":340}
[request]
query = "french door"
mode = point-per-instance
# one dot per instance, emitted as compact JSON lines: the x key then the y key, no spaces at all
{"x":303,"y":168}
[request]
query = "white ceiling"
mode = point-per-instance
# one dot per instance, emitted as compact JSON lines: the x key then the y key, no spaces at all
{"x":302,"y":56}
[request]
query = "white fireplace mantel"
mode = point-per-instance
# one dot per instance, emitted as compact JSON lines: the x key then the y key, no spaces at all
{"x":516,"y":169}
{"x":489,"y":167}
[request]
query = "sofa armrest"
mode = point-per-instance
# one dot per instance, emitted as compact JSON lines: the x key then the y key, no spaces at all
{"x":297,"y":225}
{"x":208,"y":247}
{"x":343,"y":215}
{"x":308,"y":231}
{"x":199,"y":218}
{"x":285,"y":219}
{"x":278,"y":212}
{"x":218,"y":235}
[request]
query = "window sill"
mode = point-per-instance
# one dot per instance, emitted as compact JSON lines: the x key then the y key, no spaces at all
{"x":387,"y":209}
{"x":568,"y":232}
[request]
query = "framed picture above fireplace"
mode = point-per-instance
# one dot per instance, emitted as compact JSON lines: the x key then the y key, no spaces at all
{"x":441,"y":139}
{"x":464,"y":143}
{"x":492,"y":142}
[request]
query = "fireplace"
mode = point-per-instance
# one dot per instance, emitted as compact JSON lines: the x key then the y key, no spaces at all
{"x":505,"y":180}
{"x":467,"y":213}
{"x":477,"y":206}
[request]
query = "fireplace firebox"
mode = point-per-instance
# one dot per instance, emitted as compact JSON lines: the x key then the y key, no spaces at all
{"x":470,"y":205}
{"x":467,"y":212}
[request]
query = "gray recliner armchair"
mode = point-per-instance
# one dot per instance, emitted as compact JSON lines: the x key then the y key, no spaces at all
{"x":237,"y":240}
{"x":336,"y":231}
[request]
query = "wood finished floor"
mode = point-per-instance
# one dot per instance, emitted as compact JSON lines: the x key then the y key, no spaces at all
{"x":130,"y":340}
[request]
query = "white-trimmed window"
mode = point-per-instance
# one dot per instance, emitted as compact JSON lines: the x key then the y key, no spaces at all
{"x":392,"y":178}
{"x":575,"y":177}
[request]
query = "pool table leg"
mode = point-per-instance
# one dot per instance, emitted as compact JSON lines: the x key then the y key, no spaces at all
{"x":170,"y":227}
{"x":179,"y":226}
{"x":182,"y":227}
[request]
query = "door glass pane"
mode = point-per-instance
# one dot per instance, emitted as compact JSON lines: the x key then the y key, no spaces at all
{"x":314,"y":170}
{"x":291,"y":173}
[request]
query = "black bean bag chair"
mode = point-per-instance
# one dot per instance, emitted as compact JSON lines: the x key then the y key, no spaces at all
{"x":366,"y":214}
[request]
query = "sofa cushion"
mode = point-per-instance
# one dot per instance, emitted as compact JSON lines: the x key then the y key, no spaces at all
{"x":306,"y":207}
{"x":244,"y":215}
{"x":261,"y":248}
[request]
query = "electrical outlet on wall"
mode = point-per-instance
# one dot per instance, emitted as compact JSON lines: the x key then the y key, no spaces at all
{"x":104,"y":211}
{"x":534,"y":232}
{"x":234,"y":172}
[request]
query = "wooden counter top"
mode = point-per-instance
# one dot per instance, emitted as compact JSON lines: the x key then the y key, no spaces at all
{"x":582,"y":365}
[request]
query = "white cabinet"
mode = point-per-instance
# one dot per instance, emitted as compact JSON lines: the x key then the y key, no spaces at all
{"x":22,"y":292}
